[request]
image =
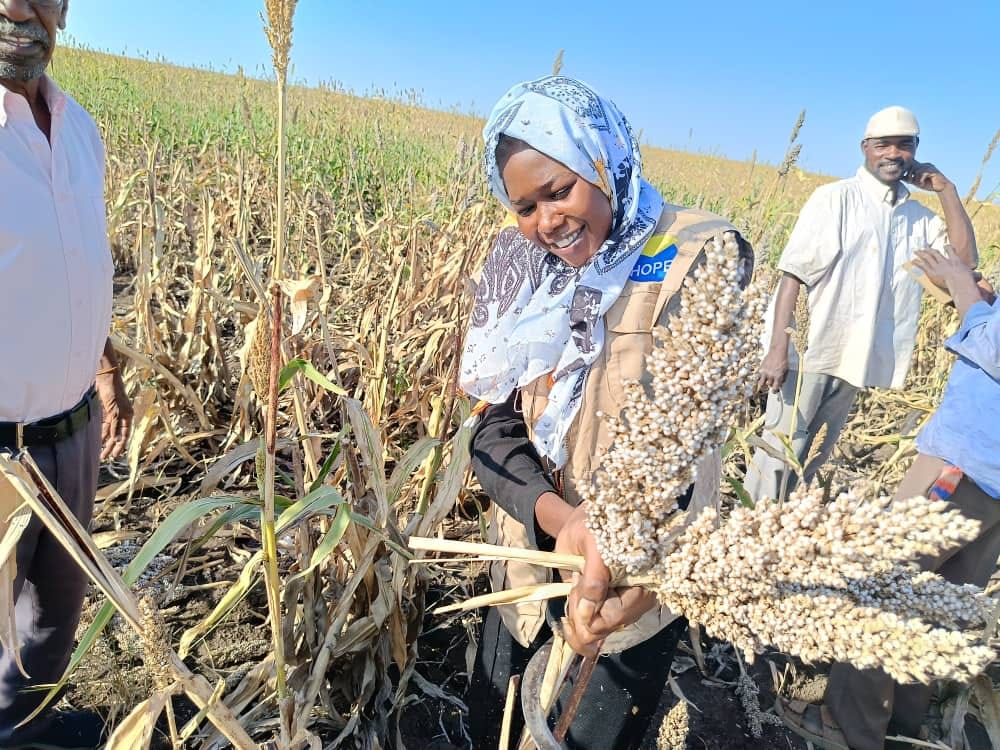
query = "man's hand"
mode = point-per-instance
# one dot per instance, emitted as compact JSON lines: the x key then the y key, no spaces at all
{"x":926,"y":177}
{"x":941,"y":269}
{"x":774,"y":369}
{"x":591,"y":613}
{"x":116,"y":421}
{"x":953,"y":274}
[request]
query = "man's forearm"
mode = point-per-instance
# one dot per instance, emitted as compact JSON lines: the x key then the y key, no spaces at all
{"x":964,"y":291}
{"x":784,"y":309}
{"x":109,"y":359}
{"x":960,"y":232}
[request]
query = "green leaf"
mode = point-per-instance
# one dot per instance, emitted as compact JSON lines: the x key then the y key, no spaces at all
{"x":370,"y":525}
{"x":330,"y":540}
{"x":409,"y":463}
{"x":451,"y":484}
{"x":740,"y":437}
{"x":320,"y":499}
{"x":182,"y":517}
{"x":309,"y":370}
{"x":741,"y":494}
{"x":790,"y":458}
{"x":249,"y":576}
{"x":328,"y":464}
{"x":248,"y":509}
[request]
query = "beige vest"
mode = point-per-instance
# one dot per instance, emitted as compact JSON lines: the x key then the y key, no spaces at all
{"x":629,"y":323}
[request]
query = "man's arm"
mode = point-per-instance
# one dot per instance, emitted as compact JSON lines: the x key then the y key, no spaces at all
{"x":961,"y":235}
{"x":811,"y":252}
{"x":978,"y":337}
{"x":774,"y":366}
{"x":116,"y":409}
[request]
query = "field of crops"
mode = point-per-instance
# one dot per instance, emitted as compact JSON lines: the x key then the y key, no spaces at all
{"x":387,"y":219}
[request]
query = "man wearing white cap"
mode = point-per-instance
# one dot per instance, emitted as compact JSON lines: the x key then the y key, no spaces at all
{"x":848,"y":248}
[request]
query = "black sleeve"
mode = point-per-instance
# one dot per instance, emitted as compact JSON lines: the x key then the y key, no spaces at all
{"x":507,"y":465}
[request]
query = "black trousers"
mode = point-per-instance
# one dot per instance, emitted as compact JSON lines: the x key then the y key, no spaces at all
{"x":616,"y":709}
{"x":49,"y":587}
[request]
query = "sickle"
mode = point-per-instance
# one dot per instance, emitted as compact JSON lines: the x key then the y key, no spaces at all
{"x":535,"y":719}
{"x":531,"y":700}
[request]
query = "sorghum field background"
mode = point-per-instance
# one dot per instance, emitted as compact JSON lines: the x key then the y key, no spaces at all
{"x":387,"y":221}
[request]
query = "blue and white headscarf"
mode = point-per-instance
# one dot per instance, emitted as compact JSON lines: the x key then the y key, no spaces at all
{"x":535,"y":314}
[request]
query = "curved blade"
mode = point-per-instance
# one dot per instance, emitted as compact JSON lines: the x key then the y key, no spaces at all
{"x":535,"y":719}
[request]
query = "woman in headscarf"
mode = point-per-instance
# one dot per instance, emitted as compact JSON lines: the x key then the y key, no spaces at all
{"x":581,"y":272}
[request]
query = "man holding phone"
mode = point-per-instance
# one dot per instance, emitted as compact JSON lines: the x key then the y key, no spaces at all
{"x":848,"y":249}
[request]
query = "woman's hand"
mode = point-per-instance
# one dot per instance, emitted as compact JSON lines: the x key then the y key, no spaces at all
{"x":592,"y":613}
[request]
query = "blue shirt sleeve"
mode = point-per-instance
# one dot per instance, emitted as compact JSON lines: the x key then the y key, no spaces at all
{"x":978,"y":338}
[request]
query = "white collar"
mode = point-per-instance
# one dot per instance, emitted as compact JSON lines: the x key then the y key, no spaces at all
{"x":50,"y":91}
{"x":879,"y":190}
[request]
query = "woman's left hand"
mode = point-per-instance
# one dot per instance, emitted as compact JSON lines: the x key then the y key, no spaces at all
{"x":621,"y":608}
{"x":592,"y":612}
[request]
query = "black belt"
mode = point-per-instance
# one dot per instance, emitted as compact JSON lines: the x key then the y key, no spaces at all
{"x":17,"y":435}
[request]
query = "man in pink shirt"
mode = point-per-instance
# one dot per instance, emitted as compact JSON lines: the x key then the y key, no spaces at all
{"x":61,"y":393}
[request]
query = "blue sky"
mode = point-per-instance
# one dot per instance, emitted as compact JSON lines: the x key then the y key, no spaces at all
{"x":715,"y":77}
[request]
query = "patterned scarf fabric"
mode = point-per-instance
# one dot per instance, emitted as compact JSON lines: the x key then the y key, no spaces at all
{"x":535,"y":314}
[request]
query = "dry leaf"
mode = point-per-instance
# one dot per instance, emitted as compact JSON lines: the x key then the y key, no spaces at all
{"x":14,"y":518}
{"x":135,"y":732}
{"x":299,"y":292}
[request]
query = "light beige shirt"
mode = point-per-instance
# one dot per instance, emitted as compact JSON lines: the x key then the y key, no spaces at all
{"x":55,"y":262}
{"x":848,"y":247}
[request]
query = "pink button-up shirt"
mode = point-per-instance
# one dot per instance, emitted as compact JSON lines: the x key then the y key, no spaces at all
{"x":55,"y":263}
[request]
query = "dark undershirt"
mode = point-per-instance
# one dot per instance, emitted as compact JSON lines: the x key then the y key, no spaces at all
{"x":509,"y":468}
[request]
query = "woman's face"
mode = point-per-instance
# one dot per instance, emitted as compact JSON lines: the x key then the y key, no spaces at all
{"x":556,"y":208}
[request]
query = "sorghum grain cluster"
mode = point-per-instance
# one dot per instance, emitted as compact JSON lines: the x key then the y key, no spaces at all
{"x":702,"y":371}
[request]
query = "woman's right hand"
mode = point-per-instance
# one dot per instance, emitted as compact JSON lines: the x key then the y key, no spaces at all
{"x":591,"y":613}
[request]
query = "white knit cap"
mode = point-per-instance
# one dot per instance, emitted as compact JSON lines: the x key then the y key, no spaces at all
{"x":892,"y":121}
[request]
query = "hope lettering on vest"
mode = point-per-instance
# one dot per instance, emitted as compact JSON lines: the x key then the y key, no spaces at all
{"x":655,"y":259}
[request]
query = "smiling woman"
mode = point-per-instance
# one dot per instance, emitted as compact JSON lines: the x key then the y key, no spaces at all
{"x":579,"y":276}
{"x":555,"y":207}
